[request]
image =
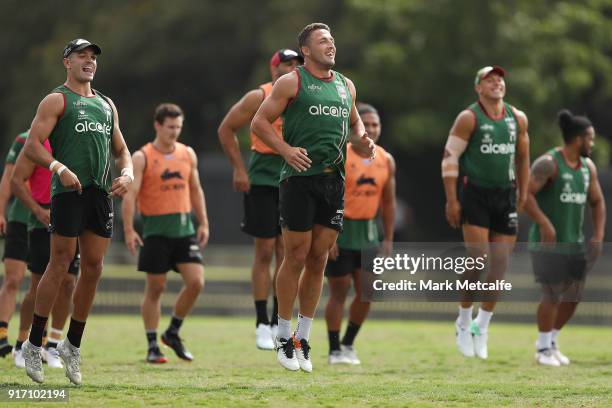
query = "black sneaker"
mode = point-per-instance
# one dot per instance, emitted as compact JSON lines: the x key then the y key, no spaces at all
{"x":5,"y":347}
{"x":175,"y":343}
{"x":155,"y":356}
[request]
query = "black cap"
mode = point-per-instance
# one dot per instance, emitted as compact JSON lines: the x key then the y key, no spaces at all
{"x":78,"y":45}
{"x":283,"y":55}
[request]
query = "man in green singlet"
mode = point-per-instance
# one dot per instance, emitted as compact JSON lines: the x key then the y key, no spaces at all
{"x":488,"y":146}
{"x":562,"y":182}
{"x":260,"y":188}
{"x":82,"y":126}
{"x":319,"y":116}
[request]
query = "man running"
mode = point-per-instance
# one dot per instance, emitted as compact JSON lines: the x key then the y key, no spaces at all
{"x":260,"y":188}
{"x":15,"y":243}
{"x":167,"y":187}
{"x":370,"y":185}
{"x":32,"y":185}
{"x":484,"y":143}
{"x":562,"y":181}
{"x":83,"y":128}
{"x":319,"y":115}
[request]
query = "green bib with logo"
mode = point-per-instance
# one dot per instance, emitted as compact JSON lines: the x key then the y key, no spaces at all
{"x":488,"y":160}
{"x":563,"y":201}
{"x":318,"y":120}
{"x":81,"y":140}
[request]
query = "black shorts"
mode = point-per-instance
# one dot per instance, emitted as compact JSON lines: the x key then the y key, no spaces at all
{"x":492,"y":208}
{"x":16,"y":241}
{"x":349,"y":261}
{"x":72,"y":213}
{"x":160,"y":254}
{"x":309,"y":200}
{"x":261,"y":212}
{"x":38,"y":254}
{"x":555,"y":268}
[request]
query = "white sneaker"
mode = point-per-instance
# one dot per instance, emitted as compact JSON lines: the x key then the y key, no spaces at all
{"x":562,"y":358}
{"x":263,"y":337}
{"x":285,"y":354}
{"x":33,"y":361}
{"x":350,"y":353}
{"x":18,"y":357}
{"x":71,"y":356}
{"x":302,"y":351}
{"x":53,"y":358}
{"x":480,"y":339}
{"x":274,"y":332}
{"x":338,"y":357}
{"x":546,"y":357}
{"x":464,"y":340}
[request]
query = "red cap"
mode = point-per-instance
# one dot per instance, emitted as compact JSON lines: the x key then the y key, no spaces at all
{"x":284,"y":55}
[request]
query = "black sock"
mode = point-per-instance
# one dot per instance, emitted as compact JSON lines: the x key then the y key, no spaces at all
{"x":175,"y":325}
{"x":18,"y":345}
{"x":334,"y":340}
{"x":261,"y":307}
{"x":51,"y":343}
{"x":152,"y":339}
{"x":38,"y":327}
{"x":274,"y":321}
{"x":351,"y":332}
{"x":75,"y":332}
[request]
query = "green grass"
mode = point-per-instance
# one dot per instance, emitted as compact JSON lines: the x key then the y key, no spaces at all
{"x":403,"y":364}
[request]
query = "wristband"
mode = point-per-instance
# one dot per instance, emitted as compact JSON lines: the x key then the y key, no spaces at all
{"x":61,"y":170}
{"x":52,"y":165}
{"x":129,"y":172}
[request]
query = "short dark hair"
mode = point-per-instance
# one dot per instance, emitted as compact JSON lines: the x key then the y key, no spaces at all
{"x":363,"y":108}
{"x":167,"y":110}
{"x":571,"y":125}
{"x":306,"y":31}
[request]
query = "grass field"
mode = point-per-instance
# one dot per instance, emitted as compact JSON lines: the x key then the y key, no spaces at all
{"x":403,"y":364}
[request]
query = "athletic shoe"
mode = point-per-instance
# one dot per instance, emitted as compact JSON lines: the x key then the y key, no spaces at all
{"x":5,"y":347}
{"x":285,"y":354}
{"x":480,"y":341}
{"x":338,"y":357}
{"x":302,"y":352}
{"x":71,"y":356}
{"x":274,"y":332}
{"x":562,"y":358}
{"x":18,"y":358}
{"x":155,"y":356}
{"x":263,"y":337}
{"x":546,"y":357}
{"x":33,"y":361}
{"x":464,"y":340}
{"x":176,"y":343}
{"x":53,"y":358}
{"x":350,"y":353}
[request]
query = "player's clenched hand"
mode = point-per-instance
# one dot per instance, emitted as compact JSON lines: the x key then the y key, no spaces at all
{"x":453,"y":213}
{"x":132,"y":240}
{"x":297,"y":157}
{"x":202,"y":235}
{"x":70,"y":180}
{"x":120,"y":186}
{"x":334,"y":252}
{"x":241,"y":181}
{"x":369,"y":145}
{"x":43,"y":215}
{"x":547,"y":232}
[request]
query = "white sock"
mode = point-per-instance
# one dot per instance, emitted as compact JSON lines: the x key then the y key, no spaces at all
{"x":482,"y":319}
{"x":465,"y":317}
{"x":544,"y":341}
{"x":555,"y":334}
{"x":284,"y":328}
{"x":303,"y":328}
